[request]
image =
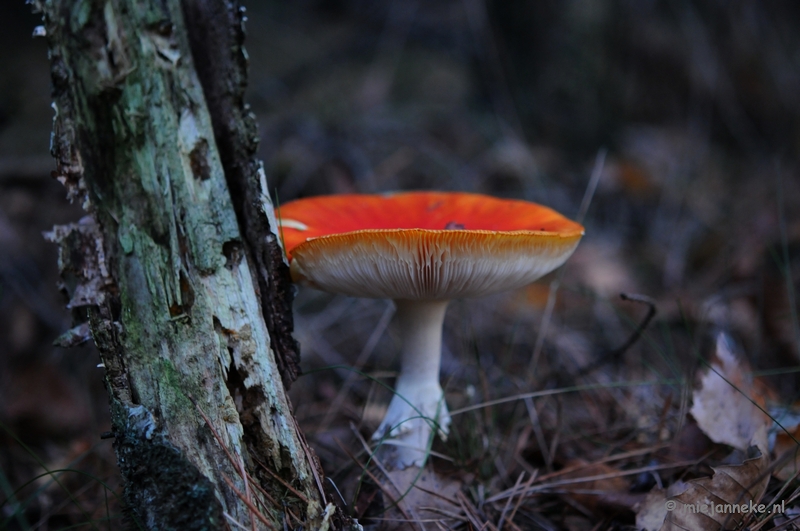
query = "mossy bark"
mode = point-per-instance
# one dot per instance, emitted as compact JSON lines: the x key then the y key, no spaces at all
{"x":187,"y":314}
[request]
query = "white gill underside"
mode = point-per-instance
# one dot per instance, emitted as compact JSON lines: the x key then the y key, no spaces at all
{"x":425,"y":271}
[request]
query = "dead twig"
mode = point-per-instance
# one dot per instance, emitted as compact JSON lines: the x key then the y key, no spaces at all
{"x":611,"y":355}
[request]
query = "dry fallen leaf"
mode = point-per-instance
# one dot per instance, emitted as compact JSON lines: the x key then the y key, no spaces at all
{"x":727,"y":406}
{"x":721,"y":501}
{"x":730,"y":409}
{"x":652,"y":512}
{"x":727,"y":497}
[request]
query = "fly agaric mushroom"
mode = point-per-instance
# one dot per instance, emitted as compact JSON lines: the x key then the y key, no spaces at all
{"x":421,"y":249}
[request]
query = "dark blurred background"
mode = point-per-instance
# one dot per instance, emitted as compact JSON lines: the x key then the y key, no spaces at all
{"x":693,"y":108}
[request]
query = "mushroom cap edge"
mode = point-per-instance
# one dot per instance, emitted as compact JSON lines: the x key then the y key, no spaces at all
{"x":423,"y":264}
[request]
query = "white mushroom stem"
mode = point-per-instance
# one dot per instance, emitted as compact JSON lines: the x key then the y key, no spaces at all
{"x":418,"y":404}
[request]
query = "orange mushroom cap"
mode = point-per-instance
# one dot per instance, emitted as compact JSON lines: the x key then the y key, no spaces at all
{"x":423,"y":245}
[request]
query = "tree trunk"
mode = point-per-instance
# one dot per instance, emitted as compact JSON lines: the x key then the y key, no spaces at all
{"x":192,"y":320}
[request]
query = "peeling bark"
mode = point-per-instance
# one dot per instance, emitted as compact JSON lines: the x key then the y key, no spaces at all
{"x":186,"y":313}
{"x":216,"y":37}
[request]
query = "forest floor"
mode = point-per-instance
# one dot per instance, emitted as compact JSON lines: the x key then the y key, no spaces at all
{"x":672,"y":132}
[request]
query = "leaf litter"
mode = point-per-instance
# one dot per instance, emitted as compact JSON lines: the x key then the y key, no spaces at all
{"x":730,"y":408}
{"x":685,"y":215}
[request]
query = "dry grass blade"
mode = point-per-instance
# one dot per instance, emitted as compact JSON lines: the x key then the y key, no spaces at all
{"x":363,"y":356}
{"x":789,"y":524}
{"x":594,"y":179}
{"x":222,"y":445}
{"x":231,"y":520}
{"x":547,"y":486}
{"x":449,"y":514}
{"x":283,"y":482}
{"x":519,"y":500}
{"x":375,"y":480}
{"x":609,"y":459}
{"x":247,"y":493}
{"x":400,"y":492}
{"x":509,"y":500}
{"x":437,"y":495}
{"x":238,"y":466}
{"x":472,"y":513}
{"x":778,"y":495}
{"x":253,"y":509}
{"x":559,"y":391}
{"x":313,"y":462}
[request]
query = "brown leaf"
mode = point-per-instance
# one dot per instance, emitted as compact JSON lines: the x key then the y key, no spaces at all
{"x":721,"y":501}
